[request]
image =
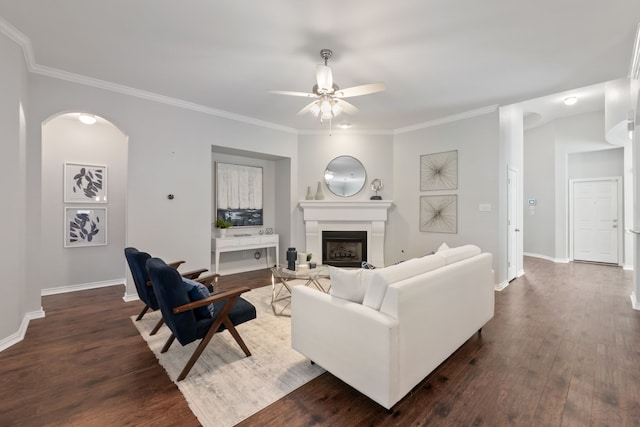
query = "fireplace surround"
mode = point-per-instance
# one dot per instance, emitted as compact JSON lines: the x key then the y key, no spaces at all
{"x":367,"y":216}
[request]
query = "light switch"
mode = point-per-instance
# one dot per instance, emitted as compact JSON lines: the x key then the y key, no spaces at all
{"x":485,"y":207}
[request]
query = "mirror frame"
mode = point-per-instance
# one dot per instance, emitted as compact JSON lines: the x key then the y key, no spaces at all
{"x":356,"y":167}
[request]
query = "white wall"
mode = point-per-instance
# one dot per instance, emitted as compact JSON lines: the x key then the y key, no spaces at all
{"x":169,"y":152}
{"x":477,"y":142}
{"x":375,"y":152}
{"x":66,"y":139}
{"x":539,"y":184}
{"x":15,"y":306}
{"x":547,"y":151}
{"x":596,"y":164}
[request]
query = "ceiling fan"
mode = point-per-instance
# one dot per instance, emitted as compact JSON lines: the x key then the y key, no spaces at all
{"x":329,"y":98}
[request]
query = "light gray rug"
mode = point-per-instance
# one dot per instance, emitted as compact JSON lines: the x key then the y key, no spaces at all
{"x":224,"y":387}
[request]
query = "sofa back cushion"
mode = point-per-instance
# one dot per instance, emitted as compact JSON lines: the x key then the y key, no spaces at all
{"x":383,"y":277}
{"x":459,"y":253}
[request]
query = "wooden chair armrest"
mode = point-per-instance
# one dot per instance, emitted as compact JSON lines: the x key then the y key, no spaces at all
{"x":213,"y":298}
{"x":208,"y":279}
{"x":149,"y":283}
{"x":175,"y":264}
{"x":193,"y":274}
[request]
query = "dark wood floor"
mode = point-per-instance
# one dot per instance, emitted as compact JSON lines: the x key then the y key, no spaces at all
{"x":562,"y":350}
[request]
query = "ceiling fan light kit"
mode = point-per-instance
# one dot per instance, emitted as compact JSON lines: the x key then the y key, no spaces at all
{"x":329,"y":102}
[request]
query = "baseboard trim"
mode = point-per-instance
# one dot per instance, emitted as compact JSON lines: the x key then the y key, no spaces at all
{"x":16,"y":337}
{"x":81,"y":287}
{"x":635,"y":304}
{"x":548,"y":258}
{"x":130,"y":297}
{"x":501,"y":286}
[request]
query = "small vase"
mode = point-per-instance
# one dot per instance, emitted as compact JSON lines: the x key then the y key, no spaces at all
{"x":309,"y":194}
{"x":319,"y":193}
{"x":222,"y":232}
{"x":292,"y":256}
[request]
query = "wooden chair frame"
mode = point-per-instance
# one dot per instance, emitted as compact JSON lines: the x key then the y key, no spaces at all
{"x":231,"y":296}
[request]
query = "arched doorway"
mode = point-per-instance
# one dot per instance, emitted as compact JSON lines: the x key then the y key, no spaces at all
{"x":76,"y":259}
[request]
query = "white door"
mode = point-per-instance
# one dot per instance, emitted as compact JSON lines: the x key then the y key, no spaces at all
{"x":512,"y":225}
{"x":595,"y":221}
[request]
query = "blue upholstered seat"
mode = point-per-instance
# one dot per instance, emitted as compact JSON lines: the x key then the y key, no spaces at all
{"x":137,"y":261}
{"x":177,"y":310}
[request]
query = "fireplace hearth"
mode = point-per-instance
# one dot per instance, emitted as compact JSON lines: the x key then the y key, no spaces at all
{"x":344,"y":248}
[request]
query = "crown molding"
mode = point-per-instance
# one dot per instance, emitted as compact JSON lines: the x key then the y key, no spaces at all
{"x":448,"y":119}
{"x":25,"y":43}
{"x":634,"y":69}
{"x":327,"y":132}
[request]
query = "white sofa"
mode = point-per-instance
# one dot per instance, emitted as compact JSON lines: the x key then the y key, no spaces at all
{"x":383,"y":331}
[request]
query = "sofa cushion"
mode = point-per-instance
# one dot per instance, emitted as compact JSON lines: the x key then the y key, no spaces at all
{"x":443,"y":247}
{"x":458,"y":254}
{"x":349,"y":284}
{"x":197,"y":291}
{"x":383,"y":277}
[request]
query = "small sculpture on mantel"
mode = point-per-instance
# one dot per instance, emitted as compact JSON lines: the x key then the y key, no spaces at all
{"x":309,"y":194}
{"x":319,"y":193}
{"x":376,"y":185}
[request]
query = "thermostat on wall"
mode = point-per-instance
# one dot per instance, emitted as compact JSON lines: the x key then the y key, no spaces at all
{"x":532,"y":202}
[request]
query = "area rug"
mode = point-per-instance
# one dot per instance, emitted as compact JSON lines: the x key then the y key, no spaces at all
{"x":224,"y":387}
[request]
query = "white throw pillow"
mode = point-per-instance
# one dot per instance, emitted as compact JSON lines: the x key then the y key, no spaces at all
{"x":443,"y":247}
{"x":458,"y":254}
{"x":349,"y":284}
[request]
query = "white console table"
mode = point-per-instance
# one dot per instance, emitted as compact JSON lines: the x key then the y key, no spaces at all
{"x":243,"y":243}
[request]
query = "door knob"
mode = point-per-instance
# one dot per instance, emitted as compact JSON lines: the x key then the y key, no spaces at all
{"x":517,"y":230}
{"x":615,"y":225}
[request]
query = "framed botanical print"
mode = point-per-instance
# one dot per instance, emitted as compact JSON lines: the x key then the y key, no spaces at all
{"x":85,"y":183}
{"x":85,"y":226}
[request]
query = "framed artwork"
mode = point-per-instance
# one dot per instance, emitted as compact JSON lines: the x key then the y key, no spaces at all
{"x":439,"y":171}
{"x":239,"y":194}
{"x":85,"y":183}
{"x":85,"y":226}
{"x":439,"y":214}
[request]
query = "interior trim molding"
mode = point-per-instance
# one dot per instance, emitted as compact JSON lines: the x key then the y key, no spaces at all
{"x":548,"y":258}
{"x":449,"y":119}
{"x":18,"y":336}
{"x":634,"y":68}
{"x":130,"y":297}
{"x":501,"y":286}
{"x":81,"y":287}
{"x":635,"y":304}
{"x":25,"y":43}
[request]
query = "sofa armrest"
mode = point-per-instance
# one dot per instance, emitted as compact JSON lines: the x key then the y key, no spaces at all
{"x":355,"y":343}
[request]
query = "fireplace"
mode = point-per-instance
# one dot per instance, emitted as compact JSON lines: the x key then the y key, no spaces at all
{"x":344,"y":248}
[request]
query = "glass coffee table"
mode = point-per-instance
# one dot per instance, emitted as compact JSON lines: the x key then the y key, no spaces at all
{"x":283,"y":279}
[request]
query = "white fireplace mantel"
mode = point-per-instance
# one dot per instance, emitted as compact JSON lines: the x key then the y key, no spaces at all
{"x":338,"y":215}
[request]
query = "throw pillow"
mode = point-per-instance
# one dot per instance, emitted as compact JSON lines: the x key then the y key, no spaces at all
{"x":348,"y":284}
{"x":443,"y":247}
{"x":197,"y":291}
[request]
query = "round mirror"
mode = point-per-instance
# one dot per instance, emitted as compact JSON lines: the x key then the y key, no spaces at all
{"x":345,"y":176}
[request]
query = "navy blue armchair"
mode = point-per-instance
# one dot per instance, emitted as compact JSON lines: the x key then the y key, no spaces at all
{"x":137,"y":261}
{"x":180,"y":314}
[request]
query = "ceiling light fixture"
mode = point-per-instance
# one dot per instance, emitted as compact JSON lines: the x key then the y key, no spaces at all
{"x":87,"y":119}
{"x":570,"y":100}
{"x":345,"y":125}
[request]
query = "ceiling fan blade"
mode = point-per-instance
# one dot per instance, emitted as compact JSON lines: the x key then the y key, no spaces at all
{"x":347,"y":107}
{"x":360,"y":90}
{"x":291,"y":93}
{"x":324,"y":78}
{"x":305,"y":109}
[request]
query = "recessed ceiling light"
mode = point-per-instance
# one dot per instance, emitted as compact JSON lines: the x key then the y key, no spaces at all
{"x":87,"y":119}
{"x":570,"y":100}
{"x":344,"y":125}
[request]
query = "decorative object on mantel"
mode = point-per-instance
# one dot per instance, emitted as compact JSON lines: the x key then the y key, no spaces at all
{"x":439,"y":214}
{"x":439,"y":171}
{"x":319,"y":193}
{"x":268,"y":231}
{"x":292,"y":256}
{"x":376,"y":185}
{"x":222,"y":226}
{"x":309,"y":195}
